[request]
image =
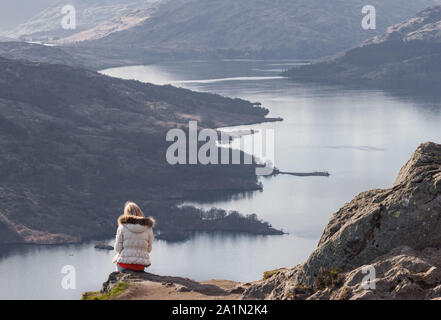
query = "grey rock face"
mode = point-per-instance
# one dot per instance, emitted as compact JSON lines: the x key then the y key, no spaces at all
{"x":377,"y":221}
{"x":371,"y":225}
{"x":403,"y":274}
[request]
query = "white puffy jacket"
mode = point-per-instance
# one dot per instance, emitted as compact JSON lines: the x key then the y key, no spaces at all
{"x":134,"y":239}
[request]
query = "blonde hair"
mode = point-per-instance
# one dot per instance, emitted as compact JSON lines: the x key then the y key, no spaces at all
{"x":132,"y":209}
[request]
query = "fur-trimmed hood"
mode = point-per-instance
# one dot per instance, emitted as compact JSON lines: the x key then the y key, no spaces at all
{"x":134,"y":239}
{"x":125,"y":219}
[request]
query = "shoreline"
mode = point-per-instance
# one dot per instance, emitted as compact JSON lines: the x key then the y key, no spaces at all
{"x":216,"y":111}
{"x":302,"y":174}
{"x":94,"y":242}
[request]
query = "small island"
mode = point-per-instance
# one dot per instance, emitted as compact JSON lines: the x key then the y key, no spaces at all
{"x":183,"y":221}
{"x":103,"y":246}
{"x":302,"y":174}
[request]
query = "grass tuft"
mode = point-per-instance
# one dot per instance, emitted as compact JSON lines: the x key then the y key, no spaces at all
{"x":117,"y":290}
{"x":269,"y":274}
{"x":328,"y":279}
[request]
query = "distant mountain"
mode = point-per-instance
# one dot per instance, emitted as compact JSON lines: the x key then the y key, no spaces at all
{"x":99,"y":16}
{"x":75,"y":145}
{"x":39,"y":53}
{"x":257,"y":28}
{"x":13,"y":12}
{"x":189,"y":28}
{"x":80,"y":58}
{"x":407,"y":55}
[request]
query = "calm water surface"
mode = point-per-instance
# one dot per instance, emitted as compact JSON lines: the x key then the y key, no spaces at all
{"x":362,"y":137}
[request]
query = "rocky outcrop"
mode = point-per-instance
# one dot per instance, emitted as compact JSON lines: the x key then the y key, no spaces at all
{"x":372,"y":230}
{"x":191,"y":285}
{"x":148,"y":286}
{"x":403,"y":274}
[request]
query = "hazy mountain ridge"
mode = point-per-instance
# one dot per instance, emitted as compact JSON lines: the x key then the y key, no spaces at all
{"x":40,"y":53}
{"x":256,"y":28}
{"x":200,"y":28}
{"x":425,"y":26}
{"x":407,"y":56}
{"x":89,"y":15}
{"x":75,"y":145}
{"x":89,"y":59}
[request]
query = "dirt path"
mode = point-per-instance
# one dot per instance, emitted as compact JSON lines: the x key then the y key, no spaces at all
{"x":148,"y":286}
{"x":149,"y":290}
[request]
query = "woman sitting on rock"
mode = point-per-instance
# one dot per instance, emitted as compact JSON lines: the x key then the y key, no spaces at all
{"x":134,"y":239}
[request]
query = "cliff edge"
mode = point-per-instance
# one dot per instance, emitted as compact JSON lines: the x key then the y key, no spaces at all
{"x":129,"y":285}
{"x":396,"y":231}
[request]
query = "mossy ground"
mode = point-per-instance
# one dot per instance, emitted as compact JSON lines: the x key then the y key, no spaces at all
{"x":117,"y":290}
{"x":328,"y":279}
{"x":269,"y":274}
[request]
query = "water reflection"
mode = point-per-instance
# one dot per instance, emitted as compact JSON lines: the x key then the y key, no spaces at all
{"x":35,"y":272}
{"x":361,"y":136}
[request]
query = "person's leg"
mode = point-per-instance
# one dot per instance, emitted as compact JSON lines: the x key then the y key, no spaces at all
{"x":119,"y":268}
{"x":143,"y":270}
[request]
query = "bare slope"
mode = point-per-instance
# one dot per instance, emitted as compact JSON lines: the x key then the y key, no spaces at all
{"x":406,"y":56}
{"x":75,"y":145}
{"x":258,"y":28}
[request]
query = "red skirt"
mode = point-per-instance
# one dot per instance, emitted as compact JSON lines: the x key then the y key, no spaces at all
{"x":133,"y":267}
